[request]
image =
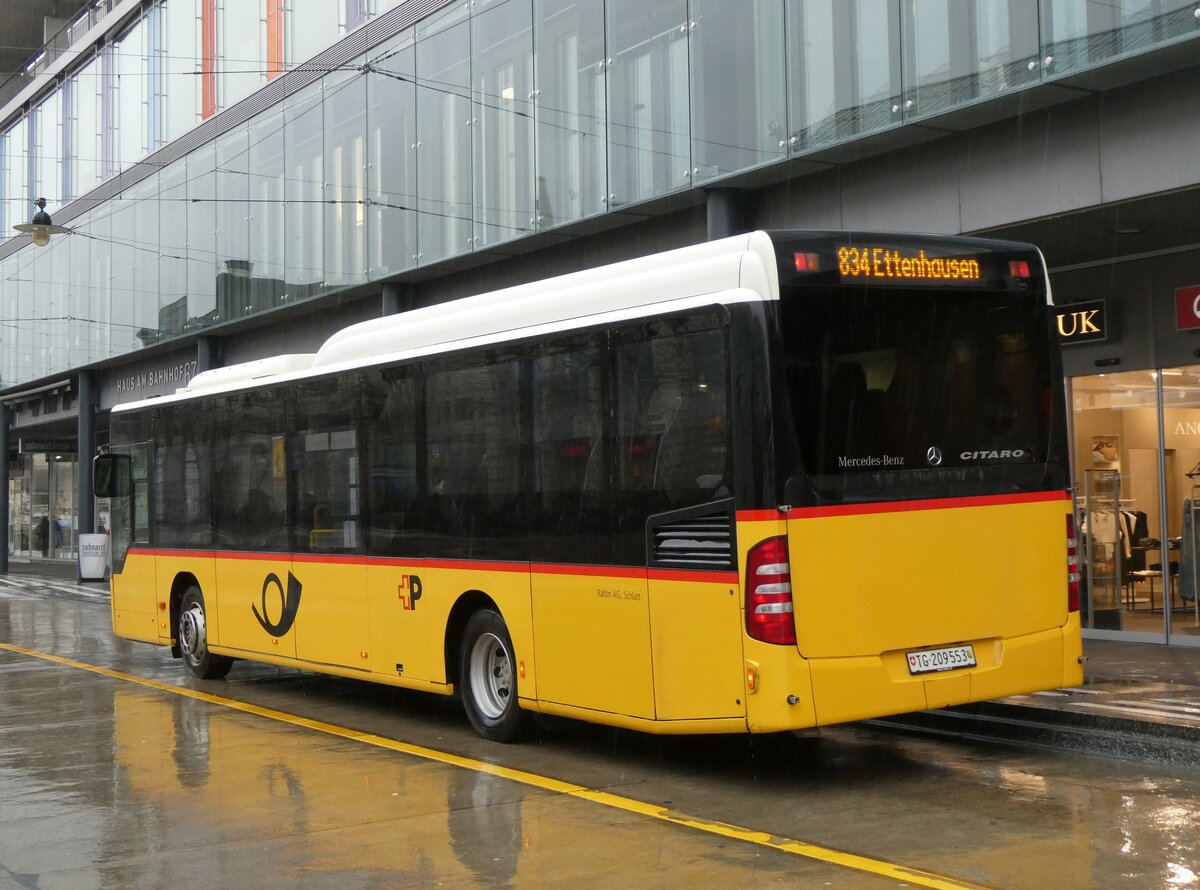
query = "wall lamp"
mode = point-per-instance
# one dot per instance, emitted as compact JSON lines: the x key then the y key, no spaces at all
{"x":42,"y":227}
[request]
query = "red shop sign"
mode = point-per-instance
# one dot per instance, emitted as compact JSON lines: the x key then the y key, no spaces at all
{"x":1187,"y":307}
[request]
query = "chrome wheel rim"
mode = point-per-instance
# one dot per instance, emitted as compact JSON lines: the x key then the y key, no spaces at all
{"x":193,"y":641}
{"x":491,"y":676}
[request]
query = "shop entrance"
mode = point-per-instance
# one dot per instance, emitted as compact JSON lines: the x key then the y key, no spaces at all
{"x":1137,"y":472}
{"x":42,"y":518}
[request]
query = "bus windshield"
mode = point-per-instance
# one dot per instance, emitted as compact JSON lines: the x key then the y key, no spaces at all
{"x":899,"y":393}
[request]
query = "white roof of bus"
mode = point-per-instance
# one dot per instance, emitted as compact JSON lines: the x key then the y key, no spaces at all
{"x":728,"y":270}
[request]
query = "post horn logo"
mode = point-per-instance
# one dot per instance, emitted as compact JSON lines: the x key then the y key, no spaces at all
{"x":289,"y":602}
{"x":933,"y":456}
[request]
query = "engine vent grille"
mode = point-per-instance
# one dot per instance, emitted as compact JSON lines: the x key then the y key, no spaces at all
{"x":702,"y":542}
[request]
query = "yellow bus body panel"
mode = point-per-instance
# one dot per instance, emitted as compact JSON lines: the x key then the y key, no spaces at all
{"x":332,"y":622}
{"x":251,"y":585}
{"x":877,"y":582}
{"x":593,"y":640}
{"x":696,"y":647}
{"x":505,"y":584}
{"x":400,"y":628}
{"x":871,"y":587}
{"x":134,"y":604}
{"x":169,"y":567}
{"x":664,"y":651}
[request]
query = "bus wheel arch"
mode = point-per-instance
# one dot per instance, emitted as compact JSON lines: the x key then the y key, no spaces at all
{"x":192,"y":638}
{"x":179,"y":587}
{"x":481,"y":661}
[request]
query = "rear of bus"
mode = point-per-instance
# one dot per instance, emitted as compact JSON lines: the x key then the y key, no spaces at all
{"x":922,"y":472}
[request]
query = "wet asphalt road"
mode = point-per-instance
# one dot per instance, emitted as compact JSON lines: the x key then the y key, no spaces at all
{"x":117,"y":771}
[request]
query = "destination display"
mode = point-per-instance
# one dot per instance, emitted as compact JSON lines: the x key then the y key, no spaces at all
{"x":897,"y":265}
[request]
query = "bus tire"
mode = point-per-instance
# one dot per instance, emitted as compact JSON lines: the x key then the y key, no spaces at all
{"x":192,"y":635}
{"x":487,"y":672}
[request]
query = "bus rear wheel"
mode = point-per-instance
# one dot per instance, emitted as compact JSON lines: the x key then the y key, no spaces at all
{"x":192,"y":635}
{"x":489,"y":680}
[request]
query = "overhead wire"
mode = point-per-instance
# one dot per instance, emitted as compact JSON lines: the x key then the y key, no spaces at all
{"x":425,"y":205}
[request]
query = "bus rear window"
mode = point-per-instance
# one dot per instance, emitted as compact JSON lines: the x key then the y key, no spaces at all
{"x":898,"y":394}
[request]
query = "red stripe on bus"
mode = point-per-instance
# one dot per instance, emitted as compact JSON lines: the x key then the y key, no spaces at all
{"x":181,"y":554}
{"x":595,"y":571}
{"x":990,"y":500}
{"x":759,"y":515}
{"x":329,"y":559}
{"x":468,"y":565}
{"x":725,"y":578}
{"x":635,"y":573}
{"x":546,"y":568}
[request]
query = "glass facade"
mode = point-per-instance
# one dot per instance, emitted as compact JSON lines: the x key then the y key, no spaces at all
{"x":177,"y":64}
{"x":483,"y":123}
{"x":85,"y":140}
{"x":391,"y":212}
{"x":1137,"y":468}
{"x":41,"y":499}
{"x":444,"y":116}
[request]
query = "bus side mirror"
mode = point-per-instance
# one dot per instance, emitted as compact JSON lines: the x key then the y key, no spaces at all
{"x":111,"y":476}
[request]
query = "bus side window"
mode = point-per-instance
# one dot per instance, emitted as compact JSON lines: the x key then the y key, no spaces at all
{"x":390,"y":420}
{"x":140,"y":502}
{"x":324,"y":453}
{"x":691,"y":465}
{"x":673,"y":432}
{"x":569,"y":513}
{"x":473,"y":441}
{"x":250,"y":478}
{"x":182,"y":483}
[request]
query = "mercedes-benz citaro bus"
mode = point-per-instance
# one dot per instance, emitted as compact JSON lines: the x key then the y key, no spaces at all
{"x":771,"y":482}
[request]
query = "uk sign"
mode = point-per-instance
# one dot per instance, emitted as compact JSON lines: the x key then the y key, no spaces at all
{"x":1082,"y":322}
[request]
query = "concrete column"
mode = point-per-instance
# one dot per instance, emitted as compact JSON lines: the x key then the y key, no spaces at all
{"x":396,"y":298}
{"x":724,"y":212}
{"x":85,"y":507}
{"x":207,"y":356}
{"x":4,"y":489}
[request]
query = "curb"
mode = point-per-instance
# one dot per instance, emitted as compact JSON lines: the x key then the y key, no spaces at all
{"x":1100,"y":735}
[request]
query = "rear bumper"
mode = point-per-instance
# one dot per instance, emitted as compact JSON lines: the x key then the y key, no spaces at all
{"x":858,"y":688}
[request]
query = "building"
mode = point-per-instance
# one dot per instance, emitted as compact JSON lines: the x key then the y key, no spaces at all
{"x":239,"y":180}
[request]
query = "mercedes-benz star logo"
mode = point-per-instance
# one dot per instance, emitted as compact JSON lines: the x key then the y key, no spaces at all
{"x":933,"y":456}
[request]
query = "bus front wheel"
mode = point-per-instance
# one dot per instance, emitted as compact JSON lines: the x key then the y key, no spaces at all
{"x":192,"y":635}
{"x":488,"y":676}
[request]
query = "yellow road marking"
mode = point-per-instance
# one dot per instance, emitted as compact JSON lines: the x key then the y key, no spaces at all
{"x":891,"y":870}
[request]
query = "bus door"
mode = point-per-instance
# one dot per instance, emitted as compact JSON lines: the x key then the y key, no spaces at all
{"x":133,"y":581}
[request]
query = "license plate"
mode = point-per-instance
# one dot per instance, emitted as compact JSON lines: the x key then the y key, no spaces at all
{"x":948,"y":659}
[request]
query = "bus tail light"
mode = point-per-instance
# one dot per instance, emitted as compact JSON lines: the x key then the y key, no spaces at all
{"x":807,"y":262}
{"x":1072,"y":567}
{"x":769,"y":610}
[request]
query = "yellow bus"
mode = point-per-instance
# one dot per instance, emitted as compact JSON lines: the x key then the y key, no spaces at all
{"x":771,"y":482}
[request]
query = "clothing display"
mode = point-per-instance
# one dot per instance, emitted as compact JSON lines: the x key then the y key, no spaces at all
{"x":1187,"y":551}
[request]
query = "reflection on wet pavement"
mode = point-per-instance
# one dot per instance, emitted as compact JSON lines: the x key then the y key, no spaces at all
{"x":105,"y":783}
{"x":134,"y":787}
